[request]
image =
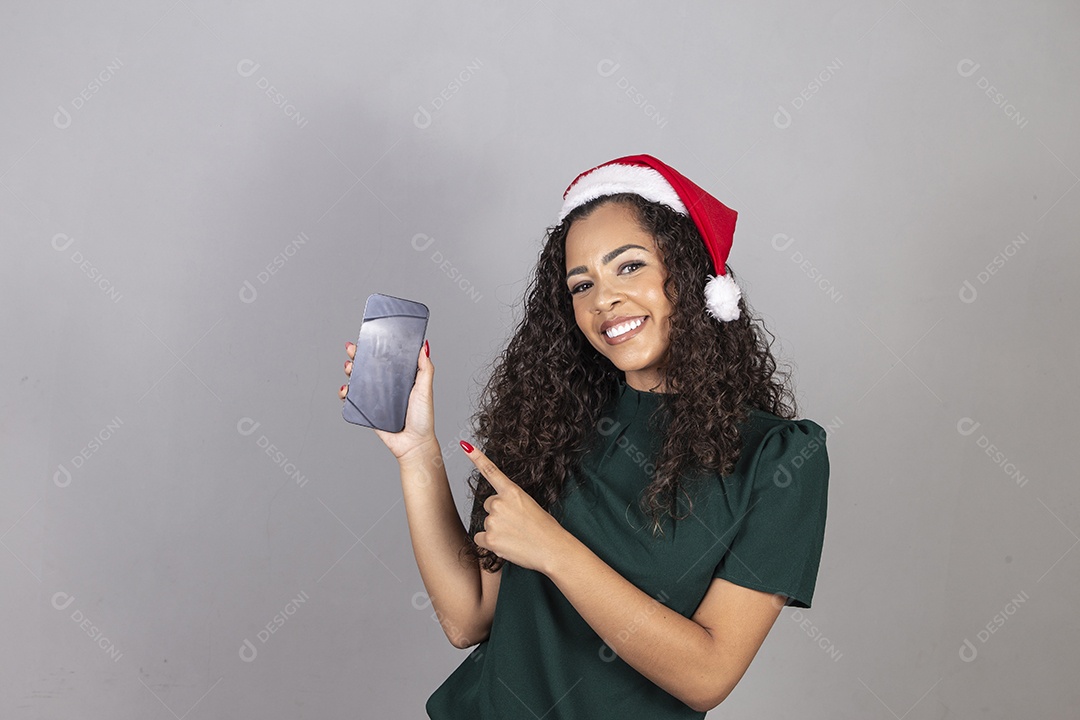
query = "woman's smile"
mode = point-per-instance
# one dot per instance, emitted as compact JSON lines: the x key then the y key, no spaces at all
{"x":625,"y":331}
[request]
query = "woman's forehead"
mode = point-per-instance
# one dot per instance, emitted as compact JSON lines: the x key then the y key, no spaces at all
{"x":606,"y":229}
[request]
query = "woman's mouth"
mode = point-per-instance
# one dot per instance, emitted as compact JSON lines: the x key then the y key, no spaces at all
{"x":625,"y":331}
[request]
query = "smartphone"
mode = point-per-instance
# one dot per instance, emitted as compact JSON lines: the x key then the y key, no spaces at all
{"x":384,"y":367}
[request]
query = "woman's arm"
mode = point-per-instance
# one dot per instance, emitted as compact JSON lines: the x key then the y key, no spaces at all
{"x":697,"y":660}
{"x":463,"y":602}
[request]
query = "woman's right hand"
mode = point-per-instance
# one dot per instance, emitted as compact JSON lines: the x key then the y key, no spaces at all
{"x":419,"y":429}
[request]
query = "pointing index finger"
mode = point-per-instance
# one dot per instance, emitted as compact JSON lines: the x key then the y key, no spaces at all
{"x":494,"y":475}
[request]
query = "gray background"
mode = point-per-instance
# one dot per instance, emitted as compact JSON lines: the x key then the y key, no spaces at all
{"x":186,"y":255}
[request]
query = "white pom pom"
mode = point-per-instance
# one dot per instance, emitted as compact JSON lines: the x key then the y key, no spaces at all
{"x":722,"y":297}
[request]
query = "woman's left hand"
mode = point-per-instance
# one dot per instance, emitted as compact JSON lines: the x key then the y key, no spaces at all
{"x":516,"y":529}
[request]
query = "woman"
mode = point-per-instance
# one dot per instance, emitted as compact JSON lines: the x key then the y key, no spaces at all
{"x":645,"y":503}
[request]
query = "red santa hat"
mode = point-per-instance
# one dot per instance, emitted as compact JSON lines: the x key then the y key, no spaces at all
{"x":646,"y":176}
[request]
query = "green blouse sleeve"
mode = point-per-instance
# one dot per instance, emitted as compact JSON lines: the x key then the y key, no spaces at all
{"x":777,"y":547}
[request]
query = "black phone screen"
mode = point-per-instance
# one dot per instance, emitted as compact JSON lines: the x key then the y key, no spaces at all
{"x":384,"y":367}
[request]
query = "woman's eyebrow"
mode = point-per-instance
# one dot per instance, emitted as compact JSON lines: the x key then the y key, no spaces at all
{"x":606,"y":259}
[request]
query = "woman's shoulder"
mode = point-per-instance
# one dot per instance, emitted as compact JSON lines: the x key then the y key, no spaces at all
{"x":762,"y":425}
{"x":777,"y":451}
{"x":765,"y":419}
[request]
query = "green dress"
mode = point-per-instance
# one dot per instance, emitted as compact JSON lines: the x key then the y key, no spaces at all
{"x":761,"y":527}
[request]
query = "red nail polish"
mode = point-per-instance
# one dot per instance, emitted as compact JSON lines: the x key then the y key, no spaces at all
{"x":342,"y":388}
{"x":427,"y":350}
{"x":467,"y":446}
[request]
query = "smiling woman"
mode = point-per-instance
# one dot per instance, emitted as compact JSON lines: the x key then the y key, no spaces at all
{"x":644,"y":501}
{"x":617,"y":284}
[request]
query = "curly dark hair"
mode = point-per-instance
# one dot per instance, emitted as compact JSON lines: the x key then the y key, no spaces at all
{"x":538,"y":413}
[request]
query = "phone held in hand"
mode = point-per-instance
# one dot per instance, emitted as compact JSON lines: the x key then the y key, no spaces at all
{"x":384,"y":367}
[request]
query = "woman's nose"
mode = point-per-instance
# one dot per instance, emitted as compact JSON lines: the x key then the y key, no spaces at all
{"x":605,"y":294}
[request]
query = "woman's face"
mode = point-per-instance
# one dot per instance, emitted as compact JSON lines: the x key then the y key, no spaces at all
{"x":614,"y":273}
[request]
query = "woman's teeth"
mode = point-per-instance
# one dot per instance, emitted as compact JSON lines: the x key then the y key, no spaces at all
{"x":624,"y":328}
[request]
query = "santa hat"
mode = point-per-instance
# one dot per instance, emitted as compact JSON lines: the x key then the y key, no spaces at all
{"x":646,"y":176}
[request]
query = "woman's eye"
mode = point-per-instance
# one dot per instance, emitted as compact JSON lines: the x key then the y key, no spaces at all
{"x":577,"y":288}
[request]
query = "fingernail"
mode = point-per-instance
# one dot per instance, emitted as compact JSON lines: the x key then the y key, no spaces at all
{"x":427,"y":350}
{"x":347,"y":344}
{"x":342,"y":388}
{"x":346,"y":364}
{"x":467,"y":446}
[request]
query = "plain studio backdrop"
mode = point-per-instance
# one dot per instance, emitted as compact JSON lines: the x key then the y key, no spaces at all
{"x":196,"y":198}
